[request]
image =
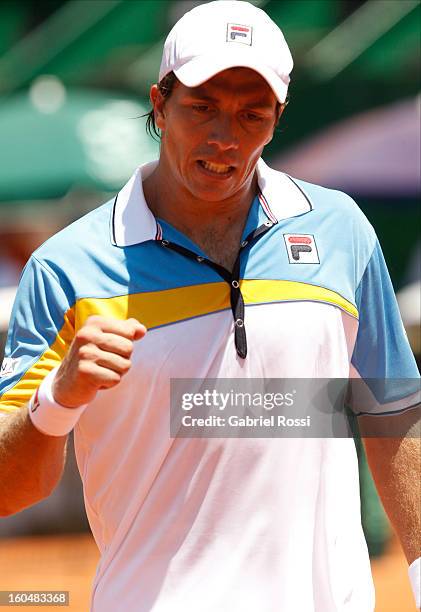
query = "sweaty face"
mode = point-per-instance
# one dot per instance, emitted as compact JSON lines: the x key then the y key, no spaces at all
{"x":213,"y":135}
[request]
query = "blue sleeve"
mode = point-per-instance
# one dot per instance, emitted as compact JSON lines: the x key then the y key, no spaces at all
{"x":40,"y":331}
{"x":382,"y":355}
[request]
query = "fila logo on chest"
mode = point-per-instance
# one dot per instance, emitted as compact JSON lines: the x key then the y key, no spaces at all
{"x":301,"y":249}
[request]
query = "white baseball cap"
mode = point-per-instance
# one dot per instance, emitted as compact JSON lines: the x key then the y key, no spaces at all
{"x":226,"y":34}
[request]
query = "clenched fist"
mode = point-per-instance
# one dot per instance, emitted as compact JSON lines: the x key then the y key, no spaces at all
{"x":98,"y":358}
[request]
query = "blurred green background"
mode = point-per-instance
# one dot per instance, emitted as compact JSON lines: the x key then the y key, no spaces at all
{"x":74,"y":82}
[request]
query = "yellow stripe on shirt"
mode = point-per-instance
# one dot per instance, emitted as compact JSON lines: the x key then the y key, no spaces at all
{"x":157,"y":308}
{"x":263,"y":291}
{"x":23,"y":390}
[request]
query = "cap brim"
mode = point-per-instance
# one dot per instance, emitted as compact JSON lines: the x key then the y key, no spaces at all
{"x":200,"y":69}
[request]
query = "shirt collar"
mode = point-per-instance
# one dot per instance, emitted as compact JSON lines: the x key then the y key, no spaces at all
{"x":280,"y":196}
{"x":132,"y":221}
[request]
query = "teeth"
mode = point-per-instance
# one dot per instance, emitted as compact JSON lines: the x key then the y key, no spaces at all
{"x":219,"y":168}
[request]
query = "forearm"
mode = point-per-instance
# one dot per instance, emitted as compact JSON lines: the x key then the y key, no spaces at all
{"x":396,"y":468}
{"x":31,"y":463}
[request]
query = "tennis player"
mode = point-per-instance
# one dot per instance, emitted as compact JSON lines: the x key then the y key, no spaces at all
{"x":209,"y":264}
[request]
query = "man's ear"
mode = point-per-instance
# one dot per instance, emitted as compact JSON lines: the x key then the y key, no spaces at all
{"x":157,"y":101}
{"x":280,"y":110}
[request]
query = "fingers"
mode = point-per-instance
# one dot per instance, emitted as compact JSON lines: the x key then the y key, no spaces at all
{"x":139,"y":331}
{"x":95,"y":377}
{"x":93,"y":355}
{"x":130,"y":328}
{"x":111,"y":343}
{"x":98,"y":358}
{"x":110,"y":349}
{"x":110,"y":335}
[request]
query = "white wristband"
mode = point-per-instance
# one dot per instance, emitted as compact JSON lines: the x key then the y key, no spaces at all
{"x":414,"y":571}
{"x":47,"y":415}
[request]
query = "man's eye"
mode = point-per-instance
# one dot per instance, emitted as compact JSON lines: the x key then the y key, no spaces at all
{"x":200,"y":108}
{"x":252,"y":117}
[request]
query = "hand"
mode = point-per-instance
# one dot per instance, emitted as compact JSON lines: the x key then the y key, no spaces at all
{"x":98,"y":358}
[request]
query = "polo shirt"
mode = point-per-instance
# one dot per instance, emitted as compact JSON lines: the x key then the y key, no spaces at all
{"x":200,"y":523}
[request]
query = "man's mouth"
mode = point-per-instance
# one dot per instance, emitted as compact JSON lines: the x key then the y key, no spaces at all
{"x":216,"y":168}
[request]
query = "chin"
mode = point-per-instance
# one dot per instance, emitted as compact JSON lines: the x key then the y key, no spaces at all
{"x":211,"y":194}
{"x":212,"y":190}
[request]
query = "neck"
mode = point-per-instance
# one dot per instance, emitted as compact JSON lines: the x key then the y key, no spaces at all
{"x":172,"y":202}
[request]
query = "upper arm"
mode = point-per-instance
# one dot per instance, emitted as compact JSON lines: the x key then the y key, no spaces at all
{"x":40,"y":332}
{"x":389,"y":382}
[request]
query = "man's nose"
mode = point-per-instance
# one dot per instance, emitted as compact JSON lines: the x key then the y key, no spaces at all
{"x":224,"y":133}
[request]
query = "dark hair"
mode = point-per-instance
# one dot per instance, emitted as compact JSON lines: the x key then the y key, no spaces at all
{"x":165,"y":86}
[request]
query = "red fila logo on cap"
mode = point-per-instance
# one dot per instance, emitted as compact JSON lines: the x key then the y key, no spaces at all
{"x":239,"y":33}
{"x":301,"y":248}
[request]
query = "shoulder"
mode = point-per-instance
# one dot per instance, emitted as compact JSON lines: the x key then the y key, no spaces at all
{"x":324,"y":203}
{"x":344,"y":223}
{"x":78,"y":254}
{"x":85,"y":237}
{"x":87,"y":233}
{"x":338,"y":223}
{"x":336,"y":214}
{"x":335,"y":203}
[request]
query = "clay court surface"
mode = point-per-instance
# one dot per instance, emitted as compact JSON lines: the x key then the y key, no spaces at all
{"x":68,"y":563}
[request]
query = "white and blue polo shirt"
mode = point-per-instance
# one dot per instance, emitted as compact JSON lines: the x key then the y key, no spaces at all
{"x":212,"y":524}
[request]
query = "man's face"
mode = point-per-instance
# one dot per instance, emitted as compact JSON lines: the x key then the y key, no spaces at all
{"x":213,"y":135}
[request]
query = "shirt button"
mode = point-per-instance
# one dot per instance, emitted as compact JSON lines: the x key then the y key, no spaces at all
{"x":200,"y":258}
{"x":164,"y":242}
{"x":239,"y":323}
{"x":268,"y":223}
{"x":235,"y":284}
